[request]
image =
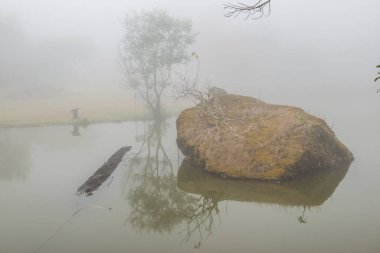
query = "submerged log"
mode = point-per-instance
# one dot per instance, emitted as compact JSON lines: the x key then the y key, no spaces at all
{"x":103,"y":173}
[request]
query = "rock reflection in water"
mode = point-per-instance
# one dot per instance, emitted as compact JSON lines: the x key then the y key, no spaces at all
{"x":307,"y":191}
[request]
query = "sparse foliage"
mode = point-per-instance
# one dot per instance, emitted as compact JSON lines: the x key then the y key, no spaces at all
{"x":256,"y":10}
{"x":207,"y":102}
{"x":377,"y":78}
{"x":154,"y":44}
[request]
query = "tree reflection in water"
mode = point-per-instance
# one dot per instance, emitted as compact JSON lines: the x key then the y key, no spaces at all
{"x":158,"y":205}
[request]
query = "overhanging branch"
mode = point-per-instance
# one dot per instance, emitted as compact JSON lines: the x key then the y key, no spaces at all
{"x":255,"y":11}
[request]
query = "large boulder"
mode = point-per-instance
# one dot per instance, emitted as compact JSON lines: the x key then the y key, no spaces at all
{"x":243,"y":137}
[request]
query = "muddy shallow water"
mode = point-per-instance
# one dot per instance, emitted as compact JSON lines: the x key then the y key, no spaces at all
{"x":153,"y":204}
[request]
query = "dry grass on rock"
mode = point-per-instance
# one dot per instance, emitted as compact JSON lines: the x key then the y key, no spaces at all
{"x":254,"y":140}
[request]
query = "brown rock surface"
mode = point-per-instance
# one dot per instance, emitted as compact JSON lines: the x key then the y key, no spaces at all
{"x":247,"y":138}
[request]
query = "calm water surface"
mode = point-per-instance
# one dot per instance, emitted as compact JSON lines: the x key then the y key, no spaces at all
{"x":156,"y":203}
{"x":315,"y":55}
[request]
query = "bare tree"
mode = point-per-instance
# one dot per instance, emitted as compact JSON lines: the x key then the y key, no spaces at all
{"x":154,"y":44}
{"x":255,"y":11}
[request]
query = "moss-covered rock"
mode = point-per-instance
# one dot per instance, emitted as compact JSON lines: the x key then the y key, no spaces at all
{"x":242,"y":137}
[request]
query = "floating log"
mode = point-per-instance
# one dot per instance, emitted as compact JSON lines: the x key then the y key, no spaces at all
{"x":103,"y":173}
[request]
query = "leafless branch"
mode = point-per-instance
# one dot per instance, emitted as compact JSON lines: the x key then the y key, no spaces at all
{"x":202,"y":218}
{"x":255,"y":11}
{"x":209,"y":109}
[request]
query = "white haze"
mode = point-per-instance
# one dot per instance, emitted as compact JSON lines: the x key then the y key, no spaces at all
{"x":312,"y":46}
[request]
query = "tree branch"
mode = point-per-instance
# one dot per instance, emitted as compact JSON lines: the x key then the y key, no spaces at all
{"x":255,"y":11}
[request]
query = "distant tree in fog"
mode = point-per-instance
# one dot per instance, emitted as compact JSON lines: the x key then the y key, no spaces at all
{"x":153,"y":45}
{"x":44,"y":66}
{"x":11,"y":37}
{"x":255,"y":10}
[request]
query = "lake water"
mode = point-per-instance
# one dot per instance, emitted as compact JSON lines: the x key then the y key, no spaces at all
{"x":319,"y":56}
{"x":155,"y":203}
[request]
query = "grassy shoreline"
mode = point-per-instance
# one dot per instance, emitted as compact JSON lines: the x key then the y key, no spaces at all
{"x":93,"y":108}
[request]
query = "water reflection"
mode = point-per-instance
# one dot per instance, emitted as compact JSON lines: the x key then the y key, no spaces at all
{"x":14,"y":160}
{"x":75,"y":131}
{"x":163,"y":202}
{"x":77,"y":125}
{"x":308,"y":191}
{"x":158,"y":205}
{"x":302,"y":218}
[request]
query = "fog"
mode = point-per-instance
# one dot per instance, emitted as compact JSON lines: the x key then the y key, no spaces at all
{"x":70,"y":44}
{"x":61,"y":70}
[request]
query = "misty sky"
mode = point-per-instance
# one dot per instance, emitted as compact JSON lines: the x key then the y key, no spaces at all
{"x":74,"y":43}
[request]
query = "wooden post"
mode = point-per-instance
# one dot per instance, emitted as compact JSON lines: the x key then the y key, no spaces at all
{"x":75,"y":113}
